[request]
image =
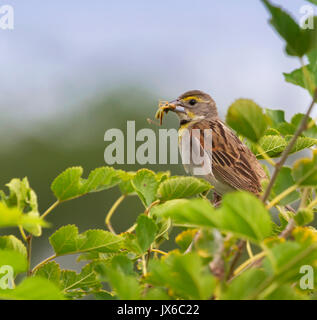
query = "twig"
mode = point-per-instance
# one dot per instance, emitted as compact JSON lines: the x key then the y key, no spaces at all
{"x":265,"y":155}
{"x":53,"y":206}
{"x":131,"y":229}
{"x":312,"y":204}
{"x":23,"y":233}
{"x":305,"y":196}
{"x":159,"y":251}
{"x":248,"y":263}
{"x":217,"y":265}
{"x":281,"y":196}
{"x":29,"y":251}
{"x":148,"y":209}
{"x":144,"y":268}
{"x":288,"y":230}
{"x":249,"y":250}
{"x":43,"y":262}
{"x":241,"y":245}
{"x":288,"y":149}
{"x":111,"y":212}
{"x":190,"y":247}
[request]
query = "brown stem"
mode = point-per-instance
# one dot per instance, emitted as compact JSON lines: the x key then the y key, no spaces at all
{"x":217,"y":265}
{"x":288,"y":149}
{"x":191,"y":246}
{"x":29,"y":251}
{"x":241,"y":245}
{"x":148,"y":209}
{"x":288,"y":230}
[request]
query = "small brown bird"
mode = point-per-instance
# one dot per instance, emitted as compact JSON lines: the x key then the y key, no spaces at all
{"x":233,"y":165}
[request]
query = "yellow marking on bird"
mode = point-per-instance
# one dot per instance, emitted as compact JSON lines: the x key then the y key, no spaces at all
{"x":194,"y":97}
{"x":191,"y":114}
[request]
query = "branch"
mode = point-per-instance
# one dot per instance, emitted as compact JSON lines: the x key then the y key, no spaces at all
{"x":52,"y":207}
{"x":43,"y":262}
{"x":111,"y":212}
{"x":217,"y":265}
{"x":241,"y":245}
{"x":288,"y":230}
{"x":288,"y":149}
{"x":29,"y":252}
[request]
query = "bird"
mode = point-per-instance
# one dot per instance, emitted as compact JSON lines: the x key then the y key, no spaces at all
{"x":232,"y":164}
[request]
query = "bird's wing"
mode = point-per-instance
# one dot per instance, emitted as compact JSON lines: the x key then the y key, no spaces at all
{"x":232,"y":161}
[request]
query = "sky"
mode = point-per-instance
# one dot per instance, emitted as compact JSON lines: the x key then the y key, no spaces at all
{"x":61,"y":53}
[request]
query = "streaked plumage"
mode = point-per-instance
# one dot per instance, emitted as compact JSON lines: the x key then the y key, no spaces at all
{"x":234,"y":166}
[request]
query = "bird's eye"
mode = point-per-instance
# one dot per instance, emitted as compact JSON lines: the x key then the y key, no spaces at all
{"x":192,"y":101}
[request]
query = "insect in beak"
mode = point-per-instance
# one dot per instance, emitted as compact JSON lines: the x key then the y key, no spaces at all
{"x":165,"y":107}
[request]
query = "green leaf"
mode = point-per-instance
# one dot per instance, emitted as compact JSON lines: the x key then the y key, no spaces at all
{"x":68,"y":184}
{"x":304,"y":216}
{"x":276,"y":116}
{"x":305,"y":235}
{"x":125,"y":184}
{"x":313,"y":1}
{"x":33,"y":288}
{"x":122,"y":263}
{"x":50,"y":271}
{"x":195,"y":212}
{"x":14,"y":259}
{"x":156,"y":294}
{"x":184,"y":239}
{"x":73,"y":285}
{"x":286,"y":128}
{"x":77,"y":285}
{"x":243,"y":286}
{"x":299,"y":41}
{"x":247,"y":119}
{"x":184,"y":275}
{"x":301,"y":143}
{"x":271,"y":132}
{"x":284,"y":260}
{"x":125,"y":286}
{"x":145,"y":230}
{"x":145,"y":184}
{"x":311,"y":131}
{"x":25,"y":199}
{"x":13,"y":217}
{"x":285,"y":292}
{"x":297,"y":77}
{"x":66,"y":240}
{"x":12,"y":243}
{"x":305,"y":171}
{"x":162,"y":176}
{"x":21,"y":195}
{"x":241,"y":213}
{"x":245,"y":215}
{"x":283,"y":181}
{"x":182,"y":187}
{"x":101,"y":179}
{"x":272,"y":145}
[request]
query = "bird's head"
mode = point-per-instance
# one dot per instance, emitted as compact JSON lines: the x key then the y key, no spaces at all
{"x":192,"y":105}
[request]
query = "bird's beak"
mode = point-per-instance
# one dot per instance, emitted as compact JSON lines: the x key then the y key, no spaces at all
{"x":176,"y":107}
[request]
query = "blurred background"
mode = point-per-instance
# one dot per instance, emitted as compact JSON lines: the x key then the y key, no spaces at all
{"x":70,"y":70}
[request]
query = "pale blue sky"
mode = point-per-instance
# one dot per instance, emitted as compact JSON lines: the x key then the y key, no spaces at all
{"x":63,"y":52}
